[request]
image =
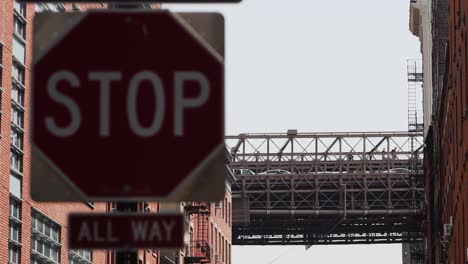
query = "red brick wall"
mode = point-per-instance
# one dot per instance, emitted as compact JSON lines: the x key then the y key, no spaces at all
{"x":6,"y":33}
{"x":221,"y":219}
{"x":451,"y":140}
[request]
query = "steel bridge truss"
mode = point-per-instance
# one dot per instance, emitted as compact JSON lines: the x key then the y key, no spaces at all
{"x":327,"y":188}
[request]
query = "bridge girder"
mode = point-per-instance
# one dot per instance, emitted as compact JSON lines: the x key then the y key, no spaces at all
{"x":323,"y":175}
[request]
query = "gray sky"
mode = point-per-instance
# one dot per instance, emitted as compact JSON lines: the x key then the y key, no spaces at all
{"x":316,"y":66}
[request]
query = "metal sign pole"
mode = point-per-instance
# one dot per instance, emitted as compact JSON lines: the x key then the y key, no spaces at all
{"x":128,"y":256}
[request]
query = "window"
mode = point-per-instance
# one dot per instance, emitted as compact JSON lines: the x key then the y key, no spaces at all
{"x":1,"y":58}
{"x":14,"y":244}
{"x":17,"y":94}
{"x":219,"y":208}
{"x":19,"y":27}
{"x":15,"y":232}
{"x":219,"y":243}
{"x":216,"y":241}
{"x":45,"y":239}
{"x":16,"y":161}
{"x":18,"y":73}
{"x":466,"y":74}
{"x":48,"y":7}
{"x":75,"y":7}
{"x":1,"y":65}
{"x":14,"y":254}
{"x":460,"y":73}
{"x":224,"y":208}
{"x":60,"y":7}
{"x":212,"y":241}
{"x":15,"y":209}
{"x":45,"y":227}
{"x":17,"y":116}
{"x":80,"y":256}
{"x":229,"y":254}
{"x":15,"y":185}
{"x":40,"y":7}
{"x":191,"y":241}
{"x":229,"y":214}
{"x":17,"y":138}
{"x":18,"y":50}
{"x":20,"y":8}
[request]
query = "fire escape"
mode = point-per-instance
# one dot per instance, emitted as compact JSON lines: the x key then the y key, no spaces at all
{"x":415,"y":124}
{"x":199,"y":247}
{"x":415,"y":84}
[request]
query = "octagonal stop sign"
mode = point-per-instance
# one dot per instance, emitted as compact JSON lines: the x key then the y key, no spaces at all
{"x":128,"y":105}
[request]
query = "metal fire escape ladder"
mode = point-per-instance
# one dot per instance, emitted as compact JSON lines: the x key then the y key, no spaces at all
{"x":415,"y":83}
{"x":199,"y":248}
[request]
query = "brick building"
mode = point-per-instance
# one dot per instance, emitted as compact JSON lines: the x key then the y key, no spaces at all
{"x":446,"y":152}
{"x":209,"y":230}
{"x":32,"y":232}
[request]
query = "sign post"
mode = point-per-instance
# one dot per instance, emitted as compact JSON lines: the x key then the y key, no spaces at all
{"x":125,"y":256}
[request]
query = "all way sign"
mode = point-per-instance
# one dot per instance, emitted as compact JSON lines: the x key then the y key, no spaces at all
{"x":94,"y":231}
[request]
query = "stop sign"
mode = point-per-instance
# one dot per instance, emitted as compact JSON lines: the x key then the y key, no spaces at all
{"x":126,"y":105}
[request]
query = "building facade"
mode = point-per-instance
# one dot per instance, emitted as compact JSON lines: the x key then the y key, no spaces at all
{"x":32,"y":232}
{"x":420,"y":26}
{"x":446,"y":152}
{"x":208,"y":228}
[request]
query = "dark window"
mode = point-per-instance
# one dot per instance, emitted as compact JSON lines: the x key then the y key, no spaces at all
{"x":18,"y":73}
{"x":14,"y":254}
{"x":15,"y":232}
{"x":20,"y":8}
{"x":17,"y":94}
{"x":45,"y":242}
{"x":60,"y":7}
{"x":460,"y":103}
{"x":466,"y":73}
{"x":15,"y":209}
{"x":16,"y":161}
{"x":75,"y":7}
{"x":80,"y":256}
{"x":1,"y":60}
{"x":14,"y":245}
{"x":17,"y":138}
{"x":19,"y":27}
{"x":17,"y":116}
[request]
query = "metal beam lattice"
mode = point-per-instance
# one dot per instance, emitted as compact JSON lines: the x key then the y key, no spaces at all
{"x":320,"y":188}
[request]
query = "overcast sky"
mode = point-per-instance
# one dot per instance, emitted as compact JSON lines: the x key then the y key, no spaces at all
{"x":316,"y":66}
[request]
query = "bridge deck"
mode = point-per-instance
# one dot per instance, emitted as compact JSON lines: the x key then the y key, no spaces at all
{"x":326,"y":188}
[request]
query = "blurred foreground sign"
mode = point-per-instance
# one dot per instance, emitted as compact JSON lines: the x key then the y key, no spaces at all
{"x":114,"y":231}
{"x":128,"y":106}
{"x":128,"y":1}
